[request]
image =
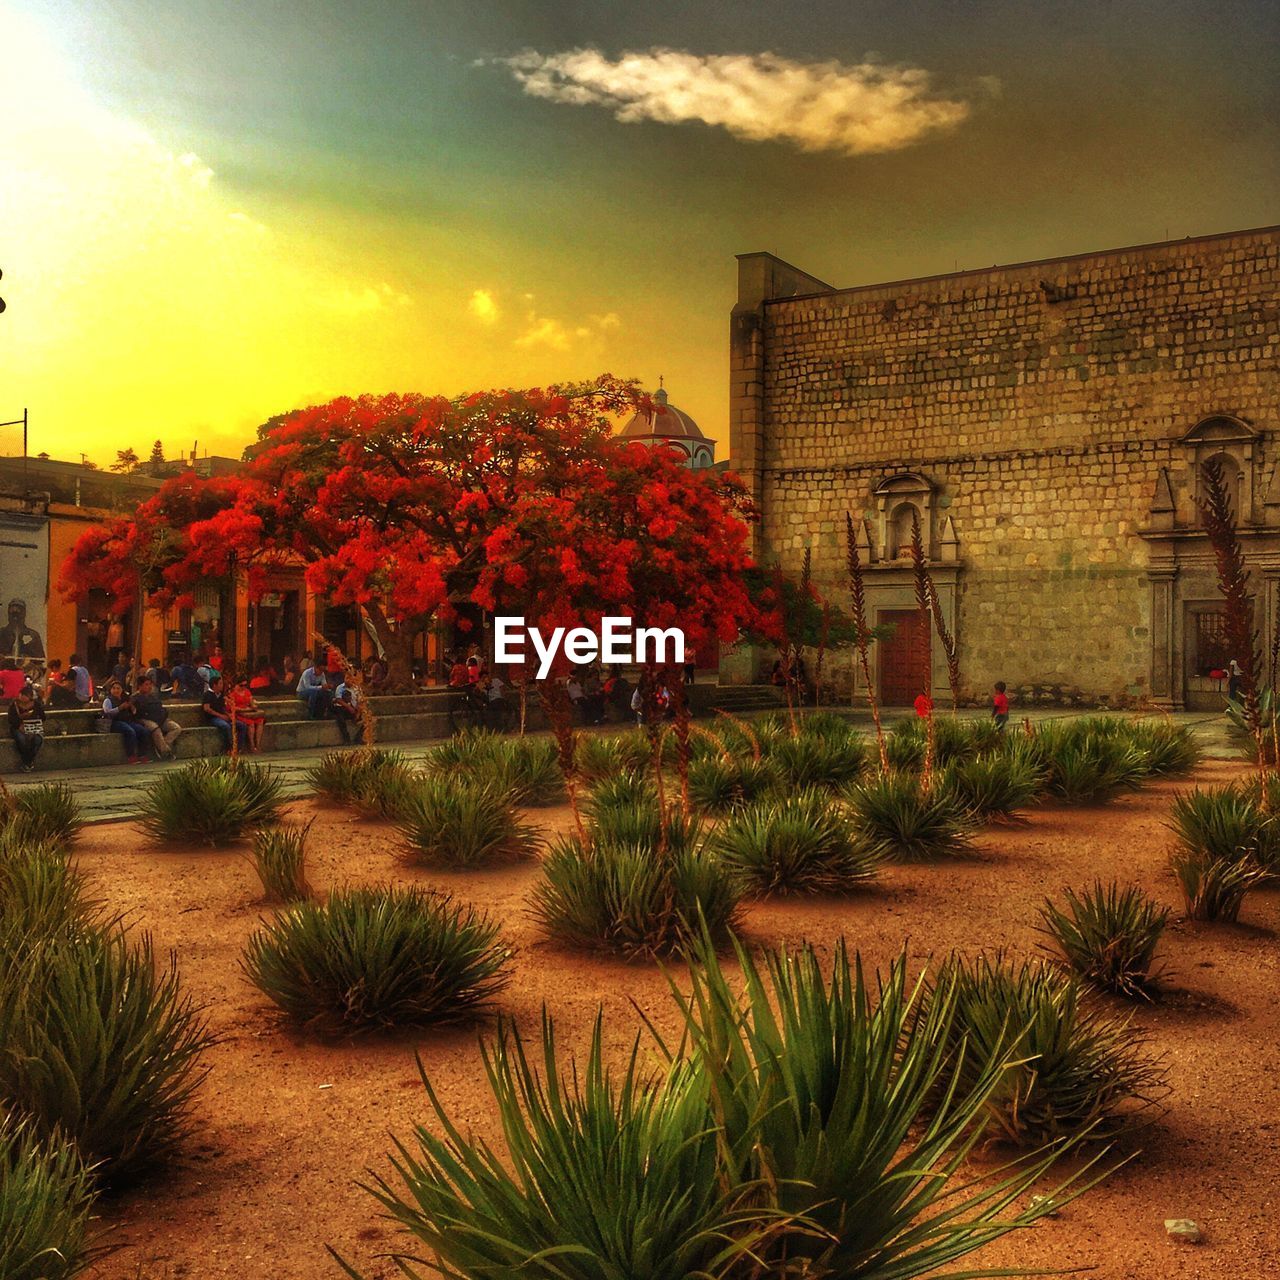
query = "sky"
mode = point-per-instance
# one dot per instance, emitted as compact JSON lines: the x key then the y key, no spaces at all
{"x":213,"y":211}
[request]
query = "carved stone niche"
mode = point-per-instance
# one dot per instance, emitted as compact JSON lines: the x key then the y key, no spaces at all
{"x":901,"y":500}
{"x":1234,"y":445}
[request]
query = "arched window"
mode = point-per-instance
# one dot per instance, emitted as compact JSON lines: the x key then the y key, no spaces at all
{"x":901,"y":500}
{"x":901,"y":522}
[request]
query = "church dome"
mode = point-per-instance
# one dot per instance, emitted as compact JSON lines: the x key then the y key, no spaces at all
{"x":671,"y":426}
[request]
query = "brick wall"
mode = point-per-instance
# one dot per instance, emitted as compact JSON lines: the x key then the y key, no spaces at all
{"x":1041,"y":400}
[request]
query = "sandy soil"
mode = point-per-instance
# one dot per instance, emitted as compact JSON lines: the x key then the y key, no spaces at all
{"x":286,"y":1124}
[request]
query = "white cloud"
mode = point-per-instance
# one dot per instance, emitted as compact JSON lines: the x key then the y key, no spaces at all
{"x":554,"y":334}
{"x":856,"y":108}
{"x":484,"y":307}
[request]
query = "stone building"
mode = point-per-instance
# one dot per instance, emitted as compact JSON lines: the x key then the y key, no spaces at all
{"x":1045,"y":422}
{"x":673,"y":429}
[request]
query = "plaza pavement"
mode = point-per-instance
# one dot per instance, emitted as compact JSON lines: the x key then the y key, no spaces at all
{"x":108,"y":794}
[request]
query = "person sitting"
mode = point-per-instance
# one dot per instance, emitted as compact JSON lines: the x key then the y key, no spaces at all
{"x":161,"y":677}
{"x":458,"y":673}
{"x":592,"y":697}
{"x":577,"y":698}
{"x":376,"y":675}
{"x":495,"y":712}
{"x":263,"y":680}
{"x":217,"y":714}
{"x":617,"y":694}
{"x":26,"y":726}
{"x":56,"y":691}
{"x":118,"y":717}
{"x":348,"y":700}
{"x":248,"y":712}
{"x":12,"y":680}
{"x":80,"y":681}
{"x":289,"y":672}
{"x":123,"y":669}
{"x":314,"y":690}
{"x":186,"y":684}
{"x":151,"y":718}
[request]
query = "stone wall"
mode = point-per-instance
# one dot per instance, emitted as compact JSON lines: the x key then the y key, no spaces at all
{"x":1041,"y":401}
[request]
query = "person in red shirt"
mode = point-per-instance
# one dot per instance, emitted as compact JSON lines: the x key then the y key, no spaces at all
{"x":924,"y":706}
{"x":1000,"y":706}
{"x":12,"y":679}
{"x":458,"y":673}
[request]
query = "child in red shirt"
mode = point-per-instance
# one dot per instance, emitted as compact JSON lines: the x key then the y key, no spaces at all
{"x":924,"y":706}
{"x":1000,"y":706}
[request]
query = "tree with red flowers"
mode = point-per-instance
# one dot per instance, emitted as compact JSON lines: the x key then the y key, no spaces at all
{"x":410,"y":507}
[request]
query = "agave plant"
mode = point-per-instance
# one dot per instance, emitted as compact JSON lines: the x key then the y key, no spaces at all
{"x":528,"y":769}
{"x":462,"y":824}
{"x":48,"y":813}
{"x":102,"y":1047}
{"x":1076,"y":1072}
{"x":897,"y":819}
{"x":213,"y":801}
{"x":601,"y":756}
{"x":280,"y":859}
{"x":793,"y":1139}
{"x":636,"y":898}
{"x":1167,"y":749}
{"x":1214,"y":887}
{"x":1090,"y":768}
{"x":800,"y":844}
{"x":463,"y":750}
{"x":1109,"y":936}
{"x":41,"y":896}
{"x":993,"y":786}
{"x":358,"y":777}
{"x":371,"y":958}
{"x":808,"y":760}
{"x":46,"y":1204}
{"x":620,"y":792}
{"x":1227,"y":824}
{"x":719,"y":784}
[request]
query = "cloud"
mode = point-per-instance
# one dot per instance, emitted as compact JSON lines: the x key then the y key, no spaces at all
{"x":858,"y":109}
{"x":547,"y":331}
{"x":483,"y":307}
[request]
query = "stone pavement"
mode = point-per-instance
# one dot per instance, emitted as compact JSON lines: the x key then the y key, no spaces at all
{"x":108,"y":794}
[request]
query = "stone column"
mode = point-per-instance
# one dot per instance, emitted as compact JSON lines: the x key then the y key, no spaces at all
{"x":1166,"y":679}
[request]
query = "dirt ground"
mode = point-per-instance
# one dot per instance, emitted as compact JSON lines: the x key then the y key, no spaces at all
{"x":286,"y":1124}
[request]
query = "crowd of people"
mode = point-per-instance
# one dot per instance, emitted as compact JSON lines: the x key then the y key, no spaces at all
{"x":130,"y":698}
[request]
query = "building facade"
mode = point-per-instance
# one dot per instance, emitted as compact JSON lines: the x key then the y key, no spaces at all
{"x":1046,"y":423}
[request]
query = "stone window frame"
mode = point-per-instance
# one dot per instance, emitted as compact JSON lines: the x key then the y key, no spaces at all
{"x":1228,"y":437}
{"x":904,"y":489}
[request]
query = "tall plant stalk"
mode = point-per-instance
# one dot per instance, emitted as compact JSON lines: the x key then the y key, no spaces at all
{"x":948,"y":642}
{"x":858,"y":595}
{"x":555,"y":701}
{"x":364,"y":711}
{"x":1233,"y":581}
{"x":924,"y":595}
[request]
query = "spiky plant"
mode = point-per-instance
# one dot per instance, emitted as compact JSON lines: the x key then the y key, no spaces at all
{"x":1167,"y":749}
{"x":462,"y":825}
{"x":371,"y":958}
{"x":101,"y":1047}
{"x":1227,"y":824}
{"x":1077,"y":1071}
{"x":528,"y":769}
{"x":636,"y":897}
{"x":48,"y":813}
{"x":41,"y":896}
{"x":792,"y":1140}
{"x":280,"y":859}
{"x":621,"y":791}
{"x":897,"y":819}
{"x":862,"y":632}
{"x":1214,"y":888}
{"x":46,"y":1206}
{"x":1108,"y":935}
{"x":719,"y":784}
{"x":462,"y":750}
{"x":602,"y":756}
{"x":1090,"y":769}
{"x":355,"y":777}
{"x":214,"y":801}
{"x":808,"y":760}
{"x":798,"y":844}
{"x":993,"y":786}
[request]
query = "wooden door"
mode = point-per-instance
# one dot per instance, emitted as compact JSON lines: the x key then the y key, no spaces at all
{"x":904,"y":657}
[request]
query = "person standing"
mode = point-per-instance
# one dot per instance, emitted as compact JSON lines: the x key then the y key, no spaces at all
{"x":26,"y":726}
{"x":152,"y":718}
{"x":1000,"y":706}
{"x":1235,"y":681}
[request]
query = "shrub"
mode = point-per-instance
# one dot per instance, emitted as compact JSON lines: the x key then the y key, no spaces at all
{"x":371,"y":958}
{"x":895,"y":818}
{"x":1108,"y":936}
{"x":812,"y":761}
{"x":41,"y":896}
{"x":100,"y":1046}
{"x":1214,"y":888}
{"x":357,"y":777}
{"x":600,"y":756}
{"x":1227,"y":824}
{"x":47,"y":813}
{"x":1167,"y":749}
{"x":462,"y":824}
{"x":793,"y":1139}
{"x":800,"y":844}
{"x":46,"y":1201}
{"x":1090,"y":769}
{"x":463,"y":749}
{"x":213,"y":801}
{"x":280,"y":859}
{"x":718,"y":784}
{"x":632,"y":899}
{"x":1076,"y":1072}
{"x":623,"y":791}
{"x":528,"y":769}
{"x":993,"y":786}
{"x":953,"y":739}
